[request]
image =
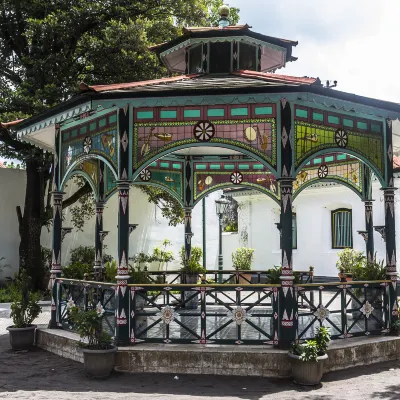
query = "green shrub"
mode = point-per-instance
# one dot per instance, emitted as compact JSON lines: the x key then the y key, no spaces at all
{"x":110,"y":271}
{"x":77,"y":270}
{"x":242,"y":258}
{"x":192,"y":266}
{"x":313,"y":348}
{"x":86,"y":255}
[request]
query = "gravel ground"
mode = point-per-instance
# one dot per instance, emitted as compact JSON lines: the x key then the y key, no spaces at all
{"x":41,"y":375}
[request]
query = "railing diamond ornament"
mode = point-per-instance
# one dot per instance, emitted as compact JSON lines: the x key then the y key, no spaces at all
{"x":367,"y":309}
{"x":321,"y":313}
{"x":167,"y":314}
{"x":239,"y":315}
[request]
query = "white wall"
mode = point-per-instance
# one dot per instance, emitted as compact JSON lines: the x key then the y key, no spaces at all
{"x":12,"y":194}
{"x":313,"y":210}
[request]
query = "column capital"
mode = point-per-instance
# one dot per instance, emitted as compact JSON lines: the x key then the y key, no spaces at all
{"x":123,"y":184}
{"x":388,"y":189}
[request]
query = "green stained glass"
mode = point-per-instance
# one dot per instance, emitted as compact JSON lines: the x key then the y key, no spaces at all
{"x":168,"y":114}
{"x":258,"y":166}
{"x":144,"y":114}
{"x":215,"y":166}
{"x":329,"y":159}
{"x":74,"y":133}
{"x":112,"y":118}
{"x":229,"y":167}
{"x":332,"y":119}
{"x":83,"y":130}
{"x":164,"y":164}
{"x":102,"y":122}
{"x":201,"y":166}
{"x":92,"y":126}
{"x":376,"y":128}
{"x":153,"y":164}
{"x":348,"y":122}
{"x":362,"y":125}
{"x":244,"y":166}
{"x":263,"y":110}
{"x":176,"y":166}
{"x":66,"y":135}
{"x":318,"y":116}
{"x":341,"y":157}
{"x":317,"y":160}
{"x":301,"y":113}
{"x":242,"y":111}
{"x":216,"y":112}
{"x":191,"y":113}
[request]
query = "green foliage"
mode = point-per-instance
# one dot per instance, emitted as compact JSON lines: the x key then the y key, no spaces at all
{"x":110,"y":271}
{"x":77,"y":270}
{"x":355,"y":263}
{"x":192,"y":265}
{"x":274,"y":273}
{"x":8,"y":293}
{"x":141,"y":260}
{"x":25,"y":307}
{"x":86,"y":255}
{"x":313,"y":348}
{"x":89,"y":326}
{"x":242,"y":258}
{"x":161,"y":254}
{"x":139,"y":274}
{"x":231,"y":227}
{"x":396,"y":326}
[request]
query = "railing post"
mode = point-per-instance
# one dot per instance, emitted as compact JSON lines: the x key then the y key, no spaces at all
{"x":98,"y":263}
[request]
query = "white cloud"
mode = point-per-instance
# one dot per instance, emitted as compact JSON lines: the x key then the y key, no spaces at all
{"x":352,"y":41}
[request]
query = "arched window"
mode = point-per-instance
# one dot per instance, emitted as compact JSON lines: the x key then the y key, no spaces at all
{"x":342,"y":233}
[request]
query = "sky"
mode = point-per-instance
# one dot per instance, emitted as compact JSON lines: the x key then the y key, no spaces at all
{"x":355,"y":42}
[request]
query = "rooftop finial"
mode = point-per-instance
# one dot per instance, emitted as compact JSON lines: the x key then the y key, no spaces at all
{"x":224,"y":14}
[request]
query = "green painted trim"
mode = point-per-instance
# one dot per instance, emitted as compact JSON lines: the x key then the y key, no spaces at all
{"x":333,"y":237}
{"x":90,"y":156}
{"x":340,"y":150}
{"x":99,"y":113}
{"x":331,"y":180}
{"x":230,"y":185}
{"x":84,"y":175}
{"x":279,"y":136}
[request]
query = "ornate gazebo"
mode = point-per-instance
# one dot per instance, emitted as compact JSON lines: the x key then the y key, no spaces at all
{"x":224,"y":118}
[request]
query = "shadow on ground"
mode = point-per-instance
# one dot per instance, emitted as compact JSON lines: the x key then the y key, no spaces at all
{"x":39,"y":370}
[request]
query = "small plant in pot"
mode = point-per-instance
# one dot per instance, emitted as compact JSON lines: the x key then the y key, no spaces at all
{"x":242,"y":259}
{"x":307,"y":359}
{"x":396,"y":327}
{"x":24,"y":310}
{"x":98,"y":352}
{"x":191,"y":269}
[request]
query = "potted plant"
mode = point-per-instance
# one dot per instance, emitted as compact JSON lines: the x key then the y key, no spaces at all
{"x":349,"y":261}
{"x":162,"y":256}
{"x":191,"y":268}
{"x":241,"y":260}
{"x":308,"y":359}
{"x":396,"y":327}
{"x":24,"y":310}
{"x":98,"y":352}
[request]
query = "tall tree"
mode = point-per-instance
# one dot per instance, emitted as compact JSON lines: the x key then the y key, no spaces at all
{"x":46,"y":48}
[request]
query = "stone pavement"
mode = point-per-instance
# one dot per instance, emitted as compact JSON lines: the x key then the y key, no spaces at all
{"x":40,"y":375}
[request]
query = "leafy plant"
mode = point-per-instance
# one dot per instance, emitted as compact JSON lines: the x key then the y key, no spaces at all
{"x":110,"y":271}
{"x":138,"y":274}
{"x":89,"y":326}
{"x":242,"y":258}
{"x":350,"y":260}
{"x":313,"y":348}
{"x":274,"y":274}
{"x":192,"y":265}
{"x":141,"y":260}
{"x":396,"y":326}
{"x":161,"y":254}
{"x":86,"y":255}
{"x":77,"y":270}
{"x":25,"y":307}
{"x":231,"y":227}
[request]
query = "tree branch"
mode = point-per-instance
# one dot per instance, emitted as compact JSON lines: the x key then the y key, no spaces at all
{"x":85,"y":189}
{"x":9,"y":141}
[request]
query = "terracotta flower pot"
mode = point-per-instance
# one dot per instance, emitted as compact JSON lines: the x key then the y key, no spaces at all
{"x":22,"y":338}
{"x":307,"y":373}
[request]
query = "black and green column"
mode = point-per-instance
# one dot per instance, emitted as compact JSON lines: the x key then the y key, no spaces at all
{"x":368,"y":234}
{"x":188,"y":232}
{"x":287,"y":323}
{"x":98,"y":242}
{"x":121,"y":292}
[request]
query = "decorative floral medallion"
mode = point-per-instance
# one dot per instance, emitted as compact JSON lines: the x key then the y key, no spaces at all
{"x":87,"y":144}
{"x":145,"y":175}
{"x":323,"y":171}
{"x":321,"y":313}
{"x":204,"y":131}
{"x":367,"y":309}
{"x":236,"y":178}
{"x":239,"y":315}
{"x":341,"y":138}
{"x":68,"y":158}
{"x":167,"y":314}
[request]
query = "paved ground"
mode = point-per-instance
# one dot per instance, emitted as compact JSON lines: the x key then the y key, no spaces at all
{"x":41,"y":375}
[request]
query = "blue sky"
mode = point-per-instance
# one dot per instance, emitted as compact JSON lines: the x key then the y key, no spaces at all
{"x":355,"y":42}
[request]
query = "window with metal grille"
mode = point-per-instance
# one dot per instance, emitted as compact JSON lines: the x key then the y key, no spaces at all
{"x":342,"y":234}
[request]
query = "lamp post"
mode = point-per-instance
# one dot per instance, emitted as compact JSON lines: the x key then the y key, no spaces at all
{"x":220,"y":207}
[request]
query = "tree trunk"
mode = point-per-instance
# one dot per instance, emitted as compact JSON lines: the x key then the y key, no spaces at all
{"x":30,"y":225}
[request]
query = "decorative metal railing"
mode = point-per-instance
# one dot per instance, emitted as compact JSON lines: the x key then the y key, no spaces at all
{"x":347,"y":308}
{"x":231,"y":313}
{"x":212,"y":313}
{"x":85,"y":294}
